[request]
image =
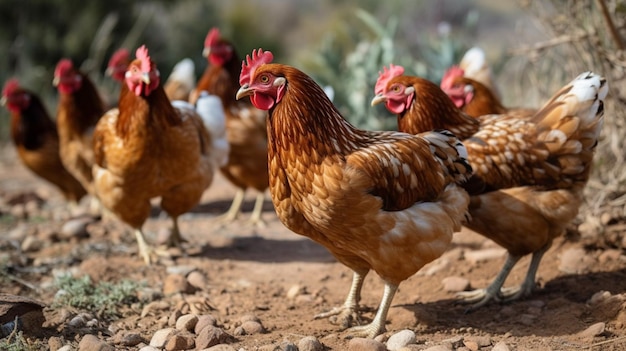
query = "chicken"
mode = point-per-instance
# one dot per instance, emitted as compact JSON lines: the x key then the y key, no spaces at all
{"x":36,"y":140}
{"x":475,"y":66}
{"x":118,"y":64}
{"x":529,"y":173}
{"x":148,"y":148}
{"x":181,"y":81}
{"x":475,"y":98}
{"x":382,"y":201}
{"x":245,"y":127}
{"x":79,"y":109}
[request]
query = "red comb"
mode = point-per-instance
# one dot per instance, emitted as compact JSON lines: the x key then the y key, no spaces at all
{"x":451,"y":74}
{"x":386,"y":75}
{"x":63,"y":67}
{"x":119,"y":57}
{"x":10,"y":87}
{"x":250,"y":64}
{"x":212,"y":37}
{"x":142,"y":54}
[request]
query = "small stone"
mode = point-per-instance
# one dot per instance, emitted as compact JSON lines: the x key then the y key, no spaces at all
{"x":176,"y":283}
{"x":92,"y":343}
{"x":249,"y":317}
{"x":31,"y":244}
{"x":55,"y":343}
{"x":211,"y":336}
{"x":181,"y":269}
{"x":481,"y":341}
{"x":471,"y":345}
{"x":221,"y":347}
{"x":288,"y":346}
{"x":252,"y":327}
{"x":203,"y":321}
{"x":149,"y":348}
{"x":179,"y":342}
{"x":65,"y":348}
{"x":455,"y":284}
{"x":310,"y":343}
{"x":575,"y":261}
{"x":401,"y":339}
{"x":294,"y":291}
{"x":593,"y":330}
{"x":131,"y":339}
{"x":439,"y":348}
{"x":171,"y":321}
{"x":500,"y":346}
{"x":484,"y":255}
{"x":362,"y":344}
{"x":75,"y":228}
{"x":160,"y":337}
{"x":198,"y":280}
{"x":187,"y":322}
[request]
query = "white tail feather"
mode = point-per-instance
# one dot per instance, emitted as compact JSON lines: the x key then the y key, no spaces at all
{"x":210,"y":108}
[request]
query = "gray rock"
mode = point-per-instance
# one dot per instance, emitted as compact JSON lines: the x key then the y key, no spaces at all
{"x":179,"y":342}
{"x":211,"y":336}
{"x":593,"y":330}
{"x":400,"y":339}
{"x":198,"y":280}
{"x":203,"y":321}
{"x":187,"y":322}
{"x":131,"y":339}
{"x":252,"y":327}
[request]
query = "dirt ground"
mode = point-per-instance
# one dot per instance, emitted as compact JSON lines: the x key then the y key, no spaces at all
{"x":285,"y":279}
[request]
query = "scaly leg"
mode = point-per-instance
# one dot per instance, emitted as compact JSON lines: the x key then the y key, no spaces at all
{"x":233,"y":211}
{"x":175,"y":239}
{"x":528,"y":285}
{"x":144,"y":249}
{"x":482,"y":296}
{"x":378,"y":324}
{"x":255,"y":217}
{"x":349,"y":310}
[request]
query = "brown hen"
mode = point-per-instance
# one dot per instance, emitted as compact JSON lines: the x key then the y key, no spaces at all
{"x":245,"y":126}
{"x":382,"y":201}
{"x":148,"y":148}
{"x":35,"y":137}
{"x":529,"y":173}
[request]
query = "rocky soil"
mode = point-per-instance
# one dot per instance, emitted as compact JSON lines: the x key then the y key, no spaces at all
{"x":245,"y":288}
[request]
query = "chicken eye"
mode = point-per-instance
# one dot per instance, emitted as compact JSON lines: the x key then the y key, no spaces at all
{"x":396,"y":88}
{"x":264,"y":79}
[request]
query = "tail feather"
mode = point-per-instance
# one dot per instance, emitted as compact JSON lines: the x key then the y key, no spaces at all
{"x":210,"y":108}
{"x":451,"y":153}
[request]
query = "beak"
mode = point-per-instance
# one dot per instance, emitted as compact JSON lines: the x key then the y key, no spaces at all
{"x":56,"y":81}
{"x":3,"y":101}
{"x":145,"y":77}
{"x":378,"y":99}
{"x":244,"y":91}
{"x":206,"y":52}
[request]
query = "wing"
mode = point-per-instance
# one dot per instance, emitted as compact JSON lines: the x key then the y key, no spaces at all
{"x":404,"y":169}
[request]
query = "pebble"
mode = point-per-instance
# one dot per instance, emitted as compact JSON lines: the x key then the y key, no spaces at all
{"x":171,"y":321}
{"x":500,"y":346}
{"x":31,"y":244}
{"x":593,"y":330}
{"x":310,"y":343}
{"x":211,"y":336}
{"x":92,"y":343}
{"x":203,"y":321}
{"x":439,"y":348}
{"x":75,"y":228}
{"x":65,"y":348}
{"x":575,"y":261}
{"x":160,"y":337}
{"x":149,"y":348}
{"x":131,"y":339}
{"x":179,"y":342}
{"x":294,"y":291}
{"x":180,"y":269}
{"x":401,"y":339}
{"x":484,"y":255}
{"x":252,"y":327}
{"x":362,"y":344}
{"x":455,"y":284}
{"x":176,"y":283}
{"x":187,"y":322}
{"x":481,"y":341}
{"x":471,"y":345}
{"x":198,"y":280}
{"x":220,"y":347}
{"x":55,"y":343}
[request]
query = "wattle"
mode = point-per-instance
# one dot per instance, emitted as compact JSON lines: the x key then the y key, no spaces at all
{"x":262,"y":101}
{"x":395,"y":106}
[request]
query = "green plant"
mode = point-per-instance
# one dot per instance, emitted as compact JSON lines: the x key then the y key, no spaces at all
{"x":17,"y":342}
{"x":103,"y":299}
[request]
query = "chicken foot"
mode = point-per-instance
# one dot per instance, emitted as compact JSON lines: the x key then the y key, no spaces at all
{"x":377,"y":326}
{"x":257,"y":211}
{"x":233,"y":211}
{"x":145,"y":250}
{"x":175,"y":239}
{"x":480,"y":297}
{"x":348,"y":312}
{"x":527,"y":287}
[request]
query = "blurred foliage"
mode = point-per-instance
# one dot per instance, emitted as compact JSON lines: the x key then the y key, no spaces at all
{"x":17,"y":342}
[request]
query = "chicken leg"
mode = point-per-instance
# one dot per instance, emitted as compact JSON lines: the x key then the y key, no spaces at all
{"x":377,"y":325}
{"x":495,"y":290}
{"x":257,"y":211}
{"x":234,"y":210}
{"x":144,"y":248}
{"x":348,"y":312}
